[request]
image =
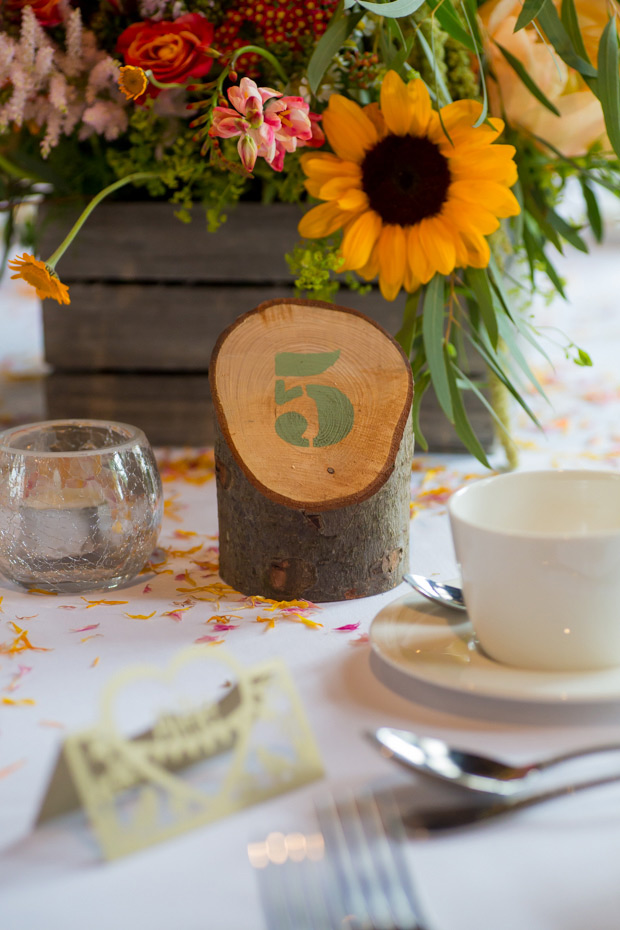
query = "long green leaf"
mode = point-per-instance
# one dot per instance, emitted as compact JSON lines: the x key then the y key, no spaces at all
{"x":470,"y":12}
{"x":508,"y":337}
{"x":529,"y":11}
{"x":609,"y":83}
{"x":440,"y":83}
{"x":495,"y":367}
{"x":394,"y":8}
{"x":566,"y":230}
{"x":419,"y":389}
{"x":472,"y":386}
{"x":461,"y":421}
{"x":558,"y":36}
{"x":404,"y":336}
{"x":592,"y":208}
{"x":330,"y":43}
{"x":478,"y":281}
{"x":570,"y":21}
{"x":448,"y":19}
{"x":433,"y":336}
{"x":533,"y":88}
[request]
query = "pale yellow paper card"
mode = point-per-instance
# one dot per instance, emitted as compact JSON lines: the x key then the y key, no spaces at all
{"x":191,"y":767}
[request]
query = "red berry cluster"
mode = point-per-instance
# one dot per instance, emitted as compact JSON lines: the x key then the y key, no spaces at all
{"x":292,"y":23}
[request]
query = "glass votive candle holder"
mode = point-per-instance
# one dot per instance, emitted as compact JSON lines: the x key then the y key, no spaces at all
{"x":81,"y":504}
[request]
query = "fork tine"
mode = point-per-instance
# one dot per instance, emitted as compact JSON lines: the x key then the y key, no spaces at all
{"x":382,"y":822}
{"x":365,"y":835}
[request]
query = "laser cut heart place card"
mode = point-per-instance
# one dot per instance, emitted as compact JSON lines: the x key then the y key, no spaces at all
{"x":162,"y":759}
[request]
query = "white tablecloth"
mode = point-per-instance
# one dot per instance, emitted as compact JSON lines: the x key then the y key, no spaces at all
{"x":551,"y":867}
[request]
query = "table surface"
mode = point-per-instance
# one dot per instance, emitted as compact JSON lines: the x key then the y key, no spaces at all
{"x":551,"y":867}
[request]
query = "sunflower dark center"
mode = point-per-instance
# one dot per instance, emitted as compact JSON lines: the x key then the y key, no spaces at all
{"x":406,"y":179}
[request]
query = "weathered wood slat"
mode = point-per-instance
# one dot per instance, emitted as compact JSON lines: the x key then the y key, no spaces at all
{"x":159,"y":327}
{"x":146,"y":242}
{"x":176,"y":409}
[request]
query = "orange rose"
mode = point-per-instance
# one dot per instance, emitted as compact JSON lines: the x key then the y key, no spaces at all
{"x":581,"y":121}
{"x":173,"y":51}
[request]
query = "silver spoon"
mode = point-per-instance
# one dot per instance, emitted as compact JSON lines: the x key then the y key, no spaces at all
{"x":446,"y":594}
{"x":436,"y":758}
{"x":429,"y":820}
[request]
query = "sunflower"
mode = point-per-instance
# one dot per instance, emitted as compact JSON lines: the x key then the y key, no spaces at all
{"x":40,"y":276}
{"x":416,"y":194}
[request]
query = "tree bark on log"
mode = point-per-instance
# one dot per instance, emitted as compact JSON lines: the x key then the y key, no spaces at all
{"x":284,"y":553}
{"x":313,"y":453}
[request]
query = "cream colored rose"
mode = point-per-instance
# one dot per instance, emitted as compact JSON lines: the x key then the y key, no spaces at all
{"x":581,"y":121}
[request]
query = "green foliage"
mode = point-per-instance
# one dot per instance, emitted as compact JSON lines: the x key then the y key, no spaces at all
{"x":313,"y":264}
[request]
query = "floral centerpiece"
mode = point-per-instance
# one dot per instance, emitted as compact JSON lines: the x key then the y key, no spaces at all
{"x":428,"y":140}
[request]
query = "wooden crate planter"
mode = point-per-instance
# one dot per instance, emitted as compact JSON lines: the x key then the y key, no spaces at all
{"x":150,"y":296}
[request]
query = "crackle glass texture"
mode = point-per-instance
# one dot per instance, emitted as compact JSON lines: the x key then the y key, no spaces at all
{"x":81,"y":504}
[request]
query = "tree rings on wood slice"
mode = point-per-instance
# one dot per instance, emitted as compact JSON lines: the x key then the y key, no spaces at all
{"x":314,"y":452}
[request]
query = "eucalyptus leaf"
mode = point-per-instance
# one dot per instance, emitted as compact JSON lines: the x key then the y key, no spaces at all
{"x":393,"y":8}
{"x":470,"y":13}
{"x":609,"y":83}
{"x":473,"y":387}
{"x":462,"y":425}
{"x":593,"y":211}
{"x":570,"y":21}
{"x":419,"y":389}
{"x":440,"y":83}
{"x":567,"y":231}
{"x":508,"y":336}
{"x":433,"y":336}
{"x":449,"y":20}
{"x":328,"y":46}
{"x":558,"y":36}
{"x":496,"y":367}
{"x":529,"y":11}
{"x":533,"y":88}
{"x":478,"y":281}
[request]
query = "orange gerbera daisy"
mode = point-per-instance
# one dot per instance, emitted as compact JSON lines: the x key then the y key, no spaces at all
{"x":413,"y":197}
{"x":132,"y":81}
{"x":40,"y":276}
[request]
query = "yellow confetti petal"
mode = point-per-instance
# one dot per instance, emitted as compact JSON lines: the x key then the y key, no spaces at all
{"x":17,"y":702}
{"x":140,"y":616}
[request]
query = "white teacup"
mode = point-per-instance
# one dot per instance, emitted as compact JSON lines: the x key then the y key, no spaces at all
{"x":539,"y":553}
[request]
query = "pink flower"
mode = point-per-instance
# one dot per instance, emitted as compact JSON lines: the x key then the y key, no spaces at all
{"x":267,"y":124}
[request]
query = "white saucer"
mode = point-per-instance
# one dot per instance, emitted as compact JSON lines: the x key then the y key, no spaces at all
{"x":436,"y":645}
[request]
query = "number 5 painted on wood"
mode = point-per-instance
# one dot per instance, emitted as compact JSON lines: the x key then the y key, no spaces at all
{"x":334,"y":409}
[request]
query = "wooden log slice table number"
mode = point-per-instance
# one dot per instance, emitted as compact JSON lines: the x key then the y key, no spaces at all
{"x":313,"y":452}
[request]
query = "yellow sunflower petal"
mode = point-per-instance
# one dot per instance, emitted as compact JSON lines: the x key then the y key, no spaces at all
{"x":436,"y":239}
{"x":489,"y":194}
{"x":324,"y":165}
{"x":374,"y":114}
{"x":371,"y":269}
{"x":493,"y":164}
{"x":419,"y":264}
{"x":392,"y":254}
{"x":353,"y":200}
{"x":359,"y":240}
{"x":420,"y":107}
{"x":478,"y":251}
{"x":313,"y":186}
{"x":322,"y":221}
{"x":469,"y":216}
{"x":458,"y":119}
{"x":348,"y":129}
{"x":411,"y":283}
{"x":336,"y":187}
{"x":396,"y":104}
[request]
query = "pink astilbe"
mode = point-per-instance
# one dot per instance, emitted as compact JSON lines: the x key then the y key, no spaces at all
{"x":58,"y":88}
{"x":267,"y":124}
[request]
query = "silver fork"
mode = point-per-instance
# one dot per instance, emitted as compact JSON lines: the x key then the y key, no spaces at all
{"x":363,"y":836}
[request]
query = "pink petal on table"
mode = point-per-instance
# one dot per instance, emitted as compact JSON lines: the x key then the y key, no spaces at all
{"x":361,"y":640}
{"x":220,"y":627}
{"x":347,"y":628}
{"x":208,"y":639}
{"x":84,"y":629}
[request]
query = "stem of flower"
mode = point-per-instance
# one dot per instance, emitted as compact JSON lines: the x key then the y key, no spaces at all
{"x":66,"y":242}
{"x":265,"y":54}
